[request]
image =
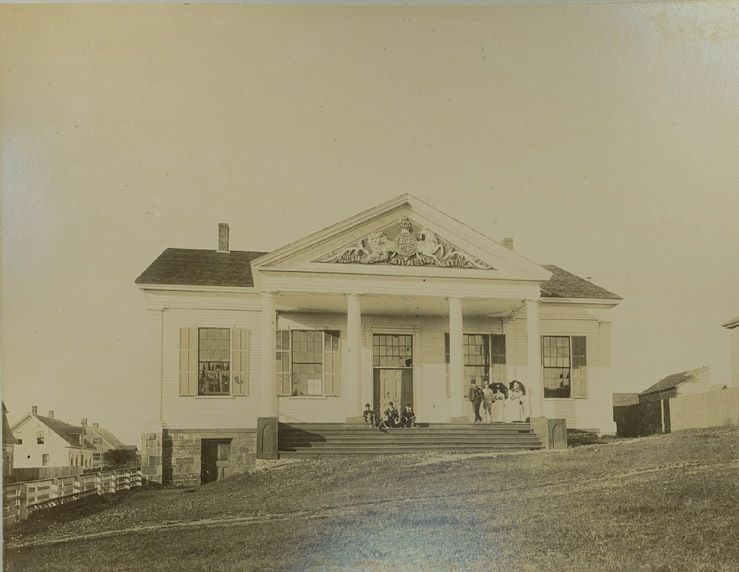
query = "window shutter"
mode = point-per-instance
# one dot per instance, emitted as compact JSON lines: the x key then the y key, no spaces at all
{"x":332,"y":363}
{"x":282,"y":362}
{"x":579,"y":376}
{"x":188,"y":361}
{"x":239,"y":362}
{"x":446,"y":359}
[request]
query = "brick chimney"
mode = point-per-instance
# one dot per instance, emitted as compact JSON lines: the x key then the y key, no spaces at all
{"x":83,"y":421}
{"x":223,"y":237}
{"x":51,"y":414}
{"x":508,"y":243}
{"x":34,"y":410}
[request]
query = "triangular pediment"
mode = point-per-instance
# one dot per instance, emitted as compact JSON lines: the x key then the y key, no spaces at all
{"x":404,"y":242}
{"x":404,"y":236}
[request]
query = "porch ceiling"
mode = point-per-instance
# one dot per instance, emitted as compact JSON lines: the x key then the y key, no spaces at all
{"x":394,"y":305}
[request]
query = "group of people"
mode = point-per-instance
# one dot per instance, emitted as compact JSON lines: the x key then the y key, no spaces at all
{"x":500,"y":403}
{"x":391,"y":418}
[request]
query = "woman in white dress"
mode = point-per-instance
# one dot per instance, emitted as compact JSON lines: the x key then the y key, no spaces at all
{"x":498,"y":403}
{"x":514,"y":407}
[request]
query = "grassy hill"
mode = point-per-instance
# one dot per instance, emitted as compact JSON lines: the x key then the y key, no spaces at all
{"x":659,"y":503}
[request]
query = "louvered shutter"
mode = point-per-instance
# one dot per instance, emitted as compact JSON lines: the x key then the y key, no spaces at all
{"x":188,"y":361}
{"x":239,"y":362}
{"x":446,"y":361}
{"x":332,"y":364}
{"x":579,"y":377}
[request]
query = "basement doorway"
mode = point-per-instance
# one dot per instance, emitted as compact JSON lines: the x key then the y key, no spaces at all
{"x":214,"y":454}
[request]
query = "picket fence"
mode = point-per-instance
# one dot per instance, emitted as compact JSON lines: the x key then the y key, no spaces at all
{"x":21,"y":499}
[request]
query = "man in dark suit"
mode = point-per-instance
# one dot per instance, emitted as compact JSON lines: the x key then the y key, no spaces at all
{"x":408,"y":417}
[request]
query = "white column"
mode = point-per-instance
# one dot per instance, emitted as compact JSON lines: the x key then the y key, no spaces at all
{"x":456,"y":361}
{"x":535,"y":385}
{"x":353,"y":383}
{"x":268,"y":391}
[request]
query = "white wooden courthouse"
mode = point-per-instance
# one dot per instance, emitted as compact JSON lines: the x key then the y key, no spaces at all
{"x":398,"y":303}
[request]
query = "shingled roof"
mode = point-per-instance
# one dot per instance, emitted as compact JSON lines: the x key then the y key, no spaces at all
{"x":564,"y":284}
{"x":188,"y":267}
{"x":672,"y":381}
{"x":70,"y":433}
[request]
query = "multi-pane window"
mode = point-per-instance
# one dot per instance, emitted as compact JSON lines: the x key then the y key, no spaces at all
{"x":565,"y":366}
{"x":476,"y":360}
{"x":40,"y":438}
{"x":484,"y":359}
{"x":308,"y":362}
{"x":96,"y":456}
{"x":392,"y":350}
{"x":214,"y":361}
{"x":45,"y":460}
{"x":97,"y":441}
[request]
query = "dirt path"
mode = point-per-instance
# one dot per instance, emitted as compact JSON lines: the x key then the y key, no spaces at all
{"x":565,"y":487}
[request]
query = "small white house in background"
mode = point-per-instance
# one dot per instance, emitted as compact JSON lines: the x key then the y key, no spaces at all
{"x":733,"y":327}
{"x":399,"y":303}
{"x":44,"y":441}
{"x":104,"y":442}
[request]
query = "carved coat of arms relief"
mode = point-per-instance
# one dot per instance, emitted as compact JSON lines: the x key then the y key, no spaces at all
{"x":404,"y":244}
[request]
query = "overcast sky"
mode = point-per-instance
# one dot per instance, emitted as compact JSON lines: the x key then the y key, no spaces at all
{"x":603,"y":138}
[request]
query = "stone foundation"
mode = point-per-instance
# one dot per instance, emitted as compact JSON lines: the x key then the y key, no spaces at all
{"x":151,"y":457}
{"x":174,"y":456}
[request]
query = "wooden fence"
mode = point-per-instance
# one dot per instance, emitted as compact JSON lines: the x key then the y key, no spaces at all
{"x":21,"y":499}
{"x":709,"y":409}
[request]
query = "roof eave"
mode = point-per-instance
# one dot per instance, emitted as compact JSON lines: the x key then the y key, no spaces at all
{"x":591,"y":301}
{"x":194,"y":288}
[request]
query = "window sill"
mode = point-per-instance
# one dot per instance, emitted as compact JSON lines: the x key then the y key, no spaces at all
{"x":213,"y":396}
{"x":303,"y":396}
{"x":564,"y":398}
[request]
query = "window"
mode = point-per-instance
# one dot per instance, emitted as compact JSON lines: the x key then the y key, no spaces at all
{"x":565,"y":366}
{"x":45,"y":460}
{"x":484,"y":359}
{"x":392,"y":351}
{"x":40,"y":438}
{"x":96,"y":456}
{"x":308,"y":362}
{"x":19,"y":441}
{"x":214,"y":361}
{"x":97,"y":441}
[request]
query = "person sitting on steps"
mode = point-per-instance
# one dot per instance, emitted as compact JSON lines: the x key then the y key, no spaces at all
{"x":408,"y":417}
{"x":368,"y":415}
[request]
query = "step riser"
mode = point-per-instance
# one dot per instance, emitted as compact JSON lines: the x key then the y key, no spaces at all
{"x":357,"y":439}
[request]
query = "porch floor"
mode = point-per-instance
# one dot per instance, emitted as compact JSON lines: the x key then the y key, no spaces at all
{"x":357,"y":439}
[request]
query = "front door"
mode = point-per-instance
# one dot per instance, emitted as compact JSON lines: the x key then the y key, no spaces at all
{"x":392,"y":357}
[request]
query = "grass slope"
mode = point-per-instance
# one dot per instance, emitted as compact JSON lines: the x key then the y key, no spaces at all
{"x":659,"y":503}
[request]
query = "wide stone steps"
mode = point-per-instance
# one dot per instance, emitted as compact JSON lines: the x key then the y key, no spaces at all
{"x":357,"y":439}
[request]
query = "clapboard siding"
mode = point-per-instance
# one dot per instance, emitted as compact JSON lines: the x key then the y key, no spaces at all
{"x":429,"y":375}
{"x":315,"y":409}
{"x":203,"y":412}
{"x":735,"y":356}
{"x":595,"y":412}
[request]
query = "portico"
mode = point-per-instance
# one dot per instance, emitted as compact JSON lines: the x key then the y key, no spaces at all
{"x":364,"y":322}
